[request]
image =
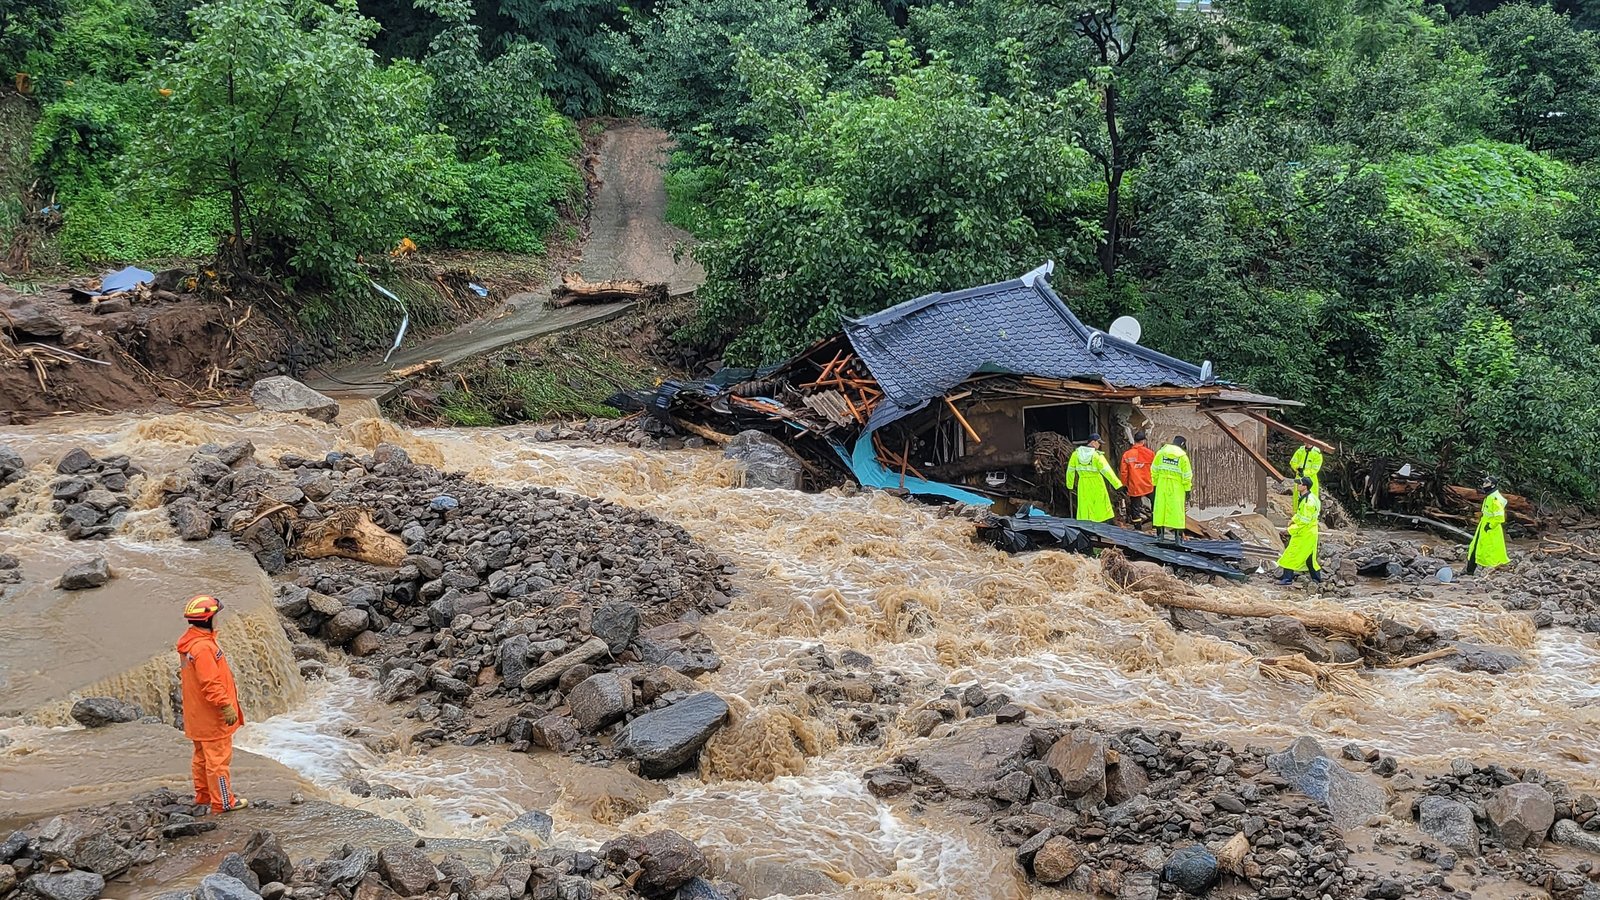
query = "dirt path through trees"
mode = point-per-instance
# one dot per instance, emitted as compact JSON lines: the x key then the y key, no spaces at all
{"x":628,"y":238}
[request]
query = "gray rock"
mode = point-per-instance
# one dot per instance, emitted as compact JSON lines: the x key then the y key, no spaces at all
{"x":77,"y":460}
{"x":283,"y":394}
{"x":13,"y":846}
{"x":348,"y":872}
{"x":193,"y":522}
{"x":616,"y":623}
{"x":266,"y":857}
{"x":534,"y":822}
{"x":1485,"y":658}
{"x":766,"y":462}
{"x":442,"y":611}
{"x":1570,"y":834}
{"x":666,"y":739}
{"x":102,"y":500}
{"x":1192,"y":869}
{"x":234,"y":866}
{"x":600,"y":700}
{"x":73,"y":885}
{"x":69,"y":488}
{"x":400,"y":685}
{"x":346,"y":625}
{"x":1351,"y":798}
{"x":1450,"y":823}
{"x":224,"y":887}
{"x":83,"y":576}
{"x":555,"y":732}
{"x":98,"y":712}
{"x":8,"y":879}
{"x":12,"y":466}
{"x":667,"y":860}
{"x":701,"y":889}
{"x":292,"y":601}
{"x":550,"y":672}
{"x":966,"y":764}
{"x":1056,"y":860}
{"x":365,"y":644}
{"x":511,"y":659}
{"x":408,"y":870}
{"x":1520,"y":815}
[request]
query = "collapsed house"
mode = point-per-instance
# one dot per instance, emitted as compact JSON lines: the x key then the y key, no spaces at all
{"x":980,"y":395}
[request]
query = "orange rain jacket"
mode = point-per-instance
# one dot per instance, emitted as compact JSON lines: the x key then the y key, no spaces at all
{"x":207,"y":686}
{"x":1136,"y":470}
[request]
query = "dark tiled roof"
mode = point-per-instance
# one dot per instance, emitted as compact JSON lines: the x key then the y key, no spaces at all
{"x":922,"y":348}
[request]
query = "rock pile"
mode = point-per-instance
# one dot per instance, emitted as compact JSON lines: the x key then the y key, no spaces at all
{"x":89,"y":495}
{"x":1556,"y":584}
{"x":1142,"y":813}
{"x":529,"y":616}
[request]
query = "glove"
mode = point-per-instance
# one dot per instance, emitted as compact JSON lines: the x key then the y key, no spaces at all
{"x":230,"y":716}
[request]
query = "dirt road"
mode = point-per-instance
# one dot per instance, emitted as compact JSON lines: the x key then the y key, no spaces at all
{"x":628,"y":238}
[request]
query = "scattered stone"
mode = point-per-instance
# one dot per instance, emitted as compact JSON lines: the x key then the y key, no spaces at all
{"x":233,"y":866}
{"x":84,"y":576}
{"x":667,"y":860}
{"x":664,"y":740}
{"x":1450,"y":823}
{"x":283,"y":394}
{"x":600,"y":700}
{"x":617,"y":624}
{"x":1520,"y":815}
{"x":1079,"y":760}
{"x":98,"y":712}
{"x":966,"y":764}
{"x":550,"y":672}
{"x":1568,"y":832}
{"x":76,"y":460}
{"x":556,"y":733}
{"x":534,"y":821}
{"x":1351,"y":798}
{"x":1471,"y":657}
{"x":408,"y":870}
{"x":344,"y":626}
{"x":74,"y":885}
{"x":193,"y":522}
{"x":1056,"y":860}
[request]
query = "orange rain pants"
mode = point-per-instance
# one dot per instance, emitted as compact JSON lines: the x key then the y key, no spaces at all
{"x":212,"y":786}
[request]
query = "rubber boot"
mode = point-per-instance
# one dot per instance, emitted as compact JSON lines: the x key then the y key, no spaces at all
{"x":1287,"y":578}
{"x":1316,"y":575}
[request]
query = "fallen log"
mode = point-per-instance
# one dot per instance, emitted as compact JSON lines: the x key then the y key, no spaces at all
{"x":1153,"y":585}
{"x":1421,"y":658}
{"x":574,"y":289}
{"x":351,"y":534}
{"x":1334,"y":678}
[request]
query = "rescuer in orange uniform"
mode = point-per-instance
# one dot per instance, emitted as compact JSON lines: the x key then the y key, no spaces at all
{"x":1136,"y":475}
{"x":210,"y":705}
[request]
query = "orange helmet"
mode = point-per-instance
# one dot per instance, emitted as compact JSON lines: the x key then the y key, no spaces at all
{"x":201,"y":608}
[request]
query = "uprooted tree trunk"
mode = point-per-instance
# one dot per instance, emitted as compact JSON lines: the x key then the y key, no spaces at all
{"x":349,"y":533}
{"x":1153,"y":584}
{"x":573,"y":289}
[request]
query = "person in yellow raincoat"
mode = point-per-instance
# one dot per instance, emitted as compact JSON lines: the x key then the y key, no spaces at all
{"x":1488,"y":547}
{"x":1173,"y":477}
{"x":1301,"y":554}
{"x":1307,"y":463}
{"x":1087,"y":473}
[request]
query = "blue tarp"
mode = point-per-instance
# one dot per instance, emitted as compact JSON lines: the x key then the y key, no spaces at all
{"x":125,"y":280}
{"x":870,"y":472}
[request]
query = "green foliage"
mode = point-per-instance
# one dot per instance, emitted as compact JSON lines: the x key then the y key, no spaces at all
{"x":859,"y":201}
{"x":1449,"y":194}
{"x":1547,"y":77}
{"x":574,"y":32}
{"x":278,"y":108}
{"x":26,"y":27}
{"x":691,"y":194}
{"x":103,"y":224}
{"x":508,"y":205}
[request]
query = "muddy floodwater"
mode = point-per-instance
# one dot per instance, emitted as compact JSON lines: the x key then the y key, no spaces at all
{"x":839,"y":570}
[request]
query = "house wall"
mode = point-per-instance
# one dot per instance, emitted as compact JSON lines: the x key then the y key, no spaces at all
{"x":1226,"y":479}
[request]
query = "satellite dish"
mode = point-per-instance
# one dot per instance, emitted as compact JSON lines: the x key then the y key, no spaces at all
{"x":1127,"y":328}
{"x":1205,"y":372}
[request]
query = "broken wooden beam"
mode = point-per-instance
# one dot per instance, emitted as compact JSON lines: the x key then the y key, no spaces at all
{"x":965,"y":425}
{"x":1301,"y":436}
{"x":1255,"y":454}
{"x":574,"y":289}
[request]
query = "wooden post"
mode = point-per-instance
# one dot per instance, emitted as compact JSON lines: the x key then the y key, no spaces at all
{"x":1238,"y":439}
{"x":965,"y":425}
{"x":1304,"y":438}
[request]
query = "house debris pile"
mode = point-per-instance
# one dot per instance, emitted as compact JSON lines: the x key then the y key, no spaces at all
{"x":1418,"y":495}
{"x":1145,"y":813}
{"x":978,"y":396}
{"x":1020,"y":533}
{"x":526,"y":616}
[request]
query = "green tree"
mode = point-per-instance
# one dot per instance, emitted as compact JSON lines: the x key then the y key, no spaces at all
{"x":26,"y":27}
{"x":278,"y":108}
{"x":858,"y":201}
{"x":1547,"y":75}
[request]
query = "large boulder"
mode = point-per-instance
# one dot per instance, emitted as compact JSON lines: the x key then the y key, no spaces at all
{"x":968,"y":764}
{"x":98,"y":712}
{"x":616,"y":623}
{"x":664,"y":740}
{"x":74,"y":885}
{"x":1520,"y":814}
{"x":283,"y":394}
{"x":83,"y":576}
{"x":1450,"y":823}
{"x":408,"y":870}
{"x":224,"y":887}
{"x":667,"y":860}
{"x":1079,"y":761}
{"x":1569,"y":833}
{"x":267,"y":858}
{"x":1056,"y":860}
{"x":766,"y":462}
{"x":1351,"y":798}
{"x":26,"y":317}
{"x":1486,"y":658}
{"x":600,"y":699}
{"x":344,"y":626}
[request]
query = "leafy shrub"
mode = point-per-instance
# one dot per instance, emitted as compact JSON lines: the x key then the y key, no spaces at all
{"x":510,"y":206}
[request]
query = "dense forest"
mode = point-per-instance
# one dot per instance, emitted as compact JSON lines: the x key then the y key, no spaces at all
{"x":1385,"y":208}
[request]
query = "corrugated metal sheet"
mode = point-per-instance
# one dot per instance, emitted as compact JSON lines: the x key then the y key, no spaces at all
{"x":1224,"y":475}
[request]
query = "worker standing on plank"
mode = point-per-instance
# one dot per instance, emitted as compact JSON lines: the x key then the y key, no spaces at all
{"x":1173,"y":478}
{"x":1136,"y":475}
{"x":210,"y":705}
{"x":1488,"y":547}
{"x":1307,"y":463}
{"x":1301,"y":554}
{"x":1087,"y":473}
